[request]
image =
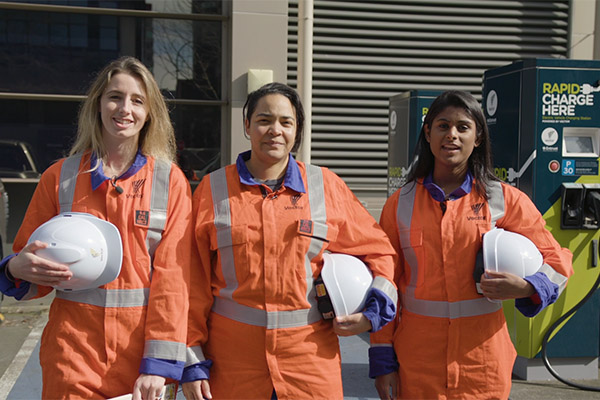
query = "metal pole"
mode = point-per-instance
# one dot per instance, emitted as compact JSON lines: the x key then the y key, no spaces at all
{"x":305,"y":58}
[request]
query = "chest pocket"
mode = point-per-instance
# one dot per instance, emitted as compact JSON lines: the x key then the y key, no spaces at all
{"x":411,"y":243}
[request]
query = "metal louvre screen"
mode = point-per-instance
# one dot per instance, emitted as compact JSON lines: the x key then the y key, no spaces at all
{"x":364,"y":52}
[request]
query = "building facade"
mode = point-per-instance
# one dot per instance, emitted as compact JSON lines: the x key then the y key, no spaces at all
{"x":362,"y":52}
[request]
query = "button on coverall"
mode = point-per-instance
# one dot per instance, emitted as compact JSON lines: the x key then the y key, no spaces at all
{"x":98,"y":347}
{"x":467,"y":353}
{"x":275,"y":244}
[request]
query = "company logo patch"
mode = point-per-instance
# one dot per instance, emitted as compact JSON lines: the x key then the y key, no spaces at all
{"x":305,"y":226}
{"x":142,"y":217}
{"x":137,"y":186}
{"x":476,"y":208}
{"x":294,"y":199}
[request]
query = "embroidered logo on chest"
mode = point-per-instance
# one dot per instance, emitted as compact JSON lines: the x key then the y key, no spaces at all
{"x":137,"y":192}
{"x":476,"y":209}
{"x":294,"y":201}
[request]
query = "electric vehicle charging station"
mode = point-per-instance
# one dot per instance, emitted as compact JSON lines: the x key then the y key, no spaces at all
{"x":544,"y":122}
{"x":407,"y":111}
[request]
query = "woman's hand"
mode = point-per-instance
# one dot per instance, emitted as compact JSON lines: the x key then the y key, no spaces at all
{"x":29,"y":267}
{"x":148,"y":387}
{"x":504,"y":286}
{"x":351,"y":324}
{"x":383,"y":384}
{"x":197,"y":390}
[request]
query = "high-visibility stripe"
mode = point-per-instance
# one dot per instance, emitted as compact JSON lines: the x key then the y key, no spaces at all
{"x":495,"y":202}
{"x":318,"y":214}
{"x":158,"y":205}
{"x":406,"y":203}
{"x":268,"y":319}
{"x":194,"y":355}
{"x":555,"y":277}
{"x":67,"y":180}
{"x":381,"y":345}
{"x":222,"y":210}
{"x":165,"y":350}
{"x":386,"y":287}
{"x":224,"y":304}
{"x":445,"y":309}
{"x":432,"y":308}
{"x":108,"y":298}
{"x":31,"y":292}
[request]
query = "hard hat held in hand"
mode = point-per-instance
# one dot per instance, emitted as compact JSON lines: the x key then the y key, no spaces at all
{"x":505,"y":251}
{"x":90,"y":246}
{"x":347,"y":281}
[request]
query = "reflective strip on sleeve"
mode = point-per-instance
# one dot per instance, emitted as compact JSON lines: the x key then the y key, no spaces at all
{"x":66,"y":185}
{"x":381,"y":345}
{"x":108,"y":298}
{"x":555,"y":277}
{"x":31,"y":292}
{"x":194,"y":355}
{"x":222,"y":211}
{"x":158,"y":205}
{"x":165,"y":350}
{"x":386,"y":287}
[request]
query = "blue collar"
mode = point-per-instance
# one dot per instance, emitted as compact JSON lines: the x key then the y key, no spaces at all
{"x":291,"y":180}
{"x":98,"y":176}
{"x":438,"y":194}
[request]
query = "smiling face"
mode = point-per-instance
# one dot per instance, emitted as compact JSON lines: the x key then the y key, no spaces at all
{"x":123,"y":109}
{"x":272,"y":130}
{"x":452,"y":137}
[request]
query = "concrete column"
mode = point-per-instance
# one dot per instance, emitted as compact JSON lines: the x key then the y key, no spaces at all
{"x":258,"y":41}
{"x":582,"y":29}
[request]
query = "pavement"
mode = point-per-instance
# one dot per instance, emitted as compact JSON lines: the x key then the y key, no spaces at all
{"x":20,"y":373}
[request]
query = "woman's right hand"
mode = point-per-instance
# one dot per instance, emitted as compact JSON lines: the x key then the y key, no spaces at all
{"x":383,"y":383}
{"x":196,"y":390}
{"x":29,"y":267}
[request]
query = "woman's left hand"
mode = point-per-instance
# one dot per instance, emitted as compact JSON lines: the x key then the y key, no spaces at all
{"x":351,"y":324}
{"x":148,"y":387}
{"x":504,"y":286}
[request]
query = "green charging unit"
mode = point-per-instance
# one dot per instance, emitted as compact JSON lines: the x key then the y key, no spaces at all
{"x":407,"y":111}
{"x":544,"y":122}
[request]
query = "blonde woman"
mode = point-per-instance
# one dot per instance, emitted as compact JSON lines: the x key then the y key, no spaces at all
{"x":128,"y":335}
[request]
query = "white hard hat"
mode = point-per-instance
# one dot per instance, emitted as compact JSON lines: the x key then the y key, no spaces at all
{"x":505,"y":251}
{"x":346,"y":280}
{"x":91,"y":247}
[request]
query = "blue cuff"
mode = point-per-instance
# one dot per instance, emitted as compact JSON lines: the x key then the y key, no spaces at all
{"x":546,"y":290}
{"x":196,"y":372}
{"x":379,"y":309}
{"x":382,"y":361}
{"x":8,"y":287}
{"x":166,"y":368}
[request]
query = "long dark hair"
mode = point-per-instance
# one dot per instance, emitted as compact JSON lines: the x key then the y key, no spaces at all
{"x":284,"y":90}
{"x":480,"y":160}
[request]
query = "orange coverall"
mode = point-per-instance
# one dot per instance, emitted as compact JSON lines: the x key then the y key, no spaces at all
{"x":264,"y":331}
{"x":450,"y":341}
{"x":95,"y":348}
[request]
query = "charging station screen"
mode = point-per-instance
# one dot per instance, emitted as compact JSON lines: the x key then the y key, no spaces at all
{"x":579,"y":144}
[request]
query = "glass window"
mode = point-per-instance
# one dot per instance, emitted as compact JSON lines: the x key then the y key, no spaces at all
{"x":60,"y":53}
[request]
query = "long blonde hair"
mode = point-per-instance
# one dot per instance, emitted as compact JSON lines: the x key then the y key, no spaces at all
{"x":157,"y":136}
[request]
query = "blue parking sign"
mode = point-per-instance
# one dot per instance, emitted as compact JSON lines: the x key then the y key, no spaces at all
{"x":568,"y":167}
